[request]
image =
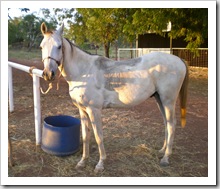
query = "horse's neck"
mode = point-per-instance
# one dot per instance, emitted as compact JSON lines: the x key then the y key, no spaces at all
{"x":76,"y":62}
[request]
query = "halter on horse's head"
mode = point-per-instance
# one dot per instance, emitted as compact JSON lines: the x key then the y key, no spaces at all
{"x":52,"y":51}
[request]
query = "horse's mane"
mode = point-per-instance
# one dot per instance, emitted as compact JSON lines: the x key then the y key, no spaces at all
{"x":73,"y":45}
{"x":105,"y":63}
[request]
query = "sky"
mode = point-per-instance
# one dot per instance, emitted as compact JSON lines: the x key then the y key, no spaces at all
{"x":16,"y":12}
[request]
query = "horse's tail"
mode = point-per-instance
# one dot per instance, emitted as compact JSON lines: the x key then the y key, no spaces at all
{"x":183,"y":96}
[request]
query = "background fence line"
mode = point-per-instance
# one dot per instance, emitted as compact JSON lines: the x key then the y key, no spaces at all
{"x":191,"y":58}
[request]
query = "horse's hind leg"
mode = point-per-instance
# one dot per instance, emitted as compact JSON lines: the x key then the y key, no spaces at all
{"x":171,"y":121}
{"x":161,"y":108}
{"x":86,"y":125}
{"x":96,"y":121}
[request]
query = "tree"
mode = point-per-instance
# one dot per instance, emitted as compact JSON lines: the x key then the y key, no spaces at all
{"x":188,"y":22}
{"x":99,"y":26}
{"x":30,"y":28}
{"x":26,"y":29}
{"x":14,"y":34}
{"x":107,"y":25}
{"x":64,"y":13}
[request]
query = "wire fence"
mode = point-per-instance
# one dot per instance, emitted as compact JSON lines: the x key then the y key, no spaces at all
{"x":194,"y":60}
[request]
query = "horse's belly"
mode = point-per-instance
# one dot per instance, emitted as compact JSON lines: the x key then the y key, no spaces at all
{"x":128,"y":95}
{"x":134,"y":94}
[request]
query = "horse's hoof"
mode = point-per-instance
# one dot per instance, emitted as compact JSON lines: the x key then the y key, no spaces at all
{"x":80,"y":165}
{"x":98,"y":169}
{"x":161,"y":151}
{"x":164,"y":163}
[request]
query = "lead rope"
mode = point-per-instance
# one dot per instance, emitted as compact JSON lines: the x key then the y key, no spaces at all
{"x":58,"y":81}
{"x":51,"y":85}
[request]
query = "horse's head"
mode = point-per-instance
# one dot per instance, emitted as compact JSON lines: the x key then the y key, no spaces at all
{"x":52,"y":51}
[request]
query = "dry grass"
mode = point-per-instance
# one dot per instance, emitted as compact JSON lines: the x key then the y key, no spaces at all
{"x":132,"y":136}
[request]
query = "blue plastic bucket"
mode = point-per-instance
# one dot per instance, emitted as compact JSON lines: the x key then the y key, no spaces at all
{"x":61,"y":135}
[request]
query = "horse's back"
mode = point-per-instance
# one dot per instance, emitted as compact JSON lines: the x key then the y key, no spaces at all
{"x":164,"y":59}
{"x":163,"y":66}
{"x":167,"y":71}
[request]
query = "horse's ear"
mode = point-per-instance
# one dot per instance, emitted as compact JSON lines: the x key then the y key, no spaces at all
{"x":43,"y":28}
{"x":60,"y":30}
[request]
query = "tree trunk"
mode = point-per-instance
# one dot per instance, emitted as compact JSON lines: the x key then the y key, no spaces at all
{"x":32,"y":42}
{"x":131,"y":51}
{"x":106,"y":48}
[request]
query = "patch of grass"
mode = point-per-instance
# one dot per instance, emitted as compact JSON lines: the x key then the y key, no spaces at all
{"x":35,"y":54}
{"x":23,"y":54}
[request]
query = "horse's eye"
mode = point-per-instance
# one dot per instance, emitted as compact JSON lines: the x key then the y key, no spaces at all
{"x":40,"y":48}
{"x":59,"y":47}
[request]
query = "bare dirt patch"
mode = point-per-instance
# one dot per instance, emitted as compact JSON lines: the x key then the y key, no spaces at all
{"x":132,"y":136}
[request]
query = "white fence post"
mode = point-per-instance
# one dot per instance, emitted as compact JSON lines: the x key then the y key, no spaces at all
{"x":10,"y":89}
{"x":37,"y":109}
{"x":36,"y":90}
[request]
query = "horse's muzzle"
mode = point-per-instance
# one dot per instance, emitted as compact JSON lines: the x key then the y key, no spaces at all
{"x":48,"y":76}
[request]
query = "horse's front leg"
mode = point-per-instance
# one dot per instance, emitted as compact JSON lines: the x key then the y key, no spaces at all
{"x":85,"y":125}
{"x":96,"y":121}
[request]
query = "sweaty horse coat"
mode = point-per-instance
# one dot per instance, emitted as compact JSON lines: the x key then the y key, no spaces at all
{"x":96,"y":82}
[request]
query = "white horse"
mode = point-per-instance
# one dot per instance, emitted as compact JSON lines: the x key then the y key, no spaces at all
{"x":96,"y":82}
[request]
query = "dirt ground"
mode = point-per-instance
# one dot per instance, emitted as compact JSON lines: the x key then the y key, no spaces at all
{"x":132,"y":137}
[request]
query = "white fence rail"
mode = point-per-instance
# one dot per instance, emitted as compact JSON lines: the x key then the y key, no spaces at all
{"x":183,"y":53}
{"x":137,"y":52}
{"x":36,"y":73}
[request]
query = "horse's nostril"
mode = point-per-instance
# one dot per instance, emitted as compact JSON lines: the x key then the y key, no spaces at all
{"x":48,"y":76}
{"x":44,"y":73}
{"x":52,"y":73}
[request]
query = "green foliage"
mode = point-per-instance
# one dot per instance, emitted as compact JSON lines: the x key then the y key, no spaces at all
{"x":14,"y":36}
{"x":190,"y":23}
{"x":64,"y":14}
{"x":105,"y":26}
{"x":25,"y":30}
{"x":99,"y":26}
